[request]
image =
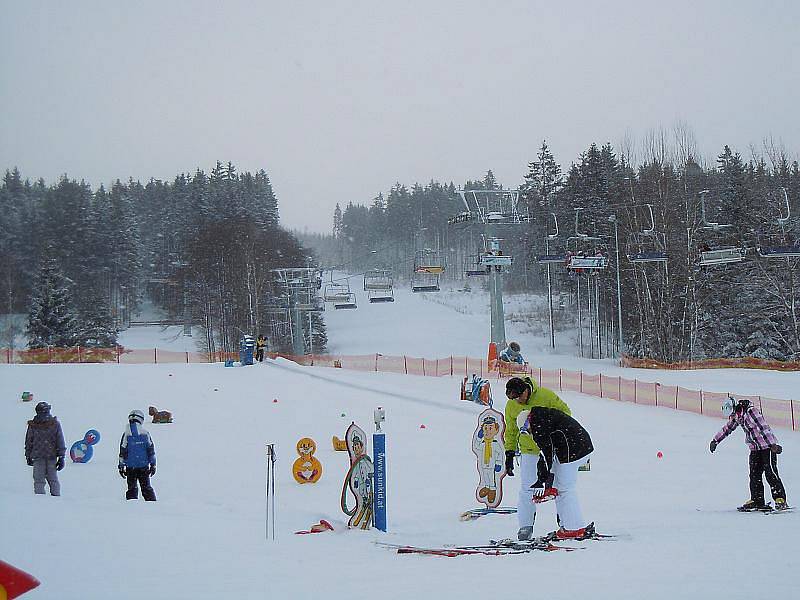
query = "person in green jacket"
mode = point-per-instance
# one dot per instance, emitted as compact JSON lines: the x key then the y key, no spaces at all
{"x":523,"y":393}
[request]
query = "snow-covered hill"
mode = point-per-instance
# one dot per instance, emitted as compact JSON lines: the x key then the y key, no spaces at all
{"x":205,"y":537}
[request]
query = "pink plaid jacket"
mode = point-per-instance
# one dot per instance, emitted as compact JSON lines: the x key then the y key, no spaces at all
{"x":757,"y":434}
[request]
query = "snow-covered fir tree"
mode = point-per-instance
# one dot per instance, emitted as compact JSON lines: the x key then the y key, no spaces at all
{"x":51,"y":320}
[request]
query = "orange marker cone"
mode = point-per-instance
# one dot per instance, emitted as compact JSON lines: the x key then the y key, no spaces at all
{"x":492,"y":359}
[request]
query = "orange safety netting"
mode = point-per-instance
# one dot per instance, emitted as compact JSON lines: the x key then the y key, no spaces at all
{"x":777,"y":412}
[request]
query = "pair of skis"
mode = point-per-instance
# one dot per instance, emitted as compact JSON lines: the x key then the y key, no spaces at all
{"x":491,"y":549}
{"x":546,"y":543}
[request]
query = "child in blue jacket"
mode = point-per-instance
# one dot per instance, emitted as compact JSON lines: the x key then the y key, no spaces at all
{"x":137,"y":458}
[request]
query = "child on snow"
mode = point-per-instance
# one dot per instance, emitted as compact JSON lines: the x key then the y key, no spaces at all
{"x":764,"y":450}
{"x":511,"y":354}
{"x":137,"y":458}
{"x":45,"y":449}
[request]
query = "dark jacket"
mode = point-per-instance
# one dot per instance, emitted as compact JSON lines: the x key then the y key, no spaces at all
{"x":44,"y":438}
{"x":557,"y":434}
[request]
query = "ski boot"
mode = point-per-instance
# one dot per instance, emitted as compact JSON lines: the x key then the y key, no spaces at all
{"x":525,"y":533}
{"x":584,"y":533}
{"x":752,"y":506}
{"x":780,"y":504}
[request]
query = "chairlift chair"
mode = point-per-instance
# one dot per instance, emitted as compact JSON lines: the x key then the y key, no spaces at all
{"x":587,"y":254}
{"x":782,"y":250}
{"x":721,"y":256}
{"x":378,"y":280}
{"x":348,"y":302}
{"x":473,"y":268}
{"x":647,"y":246}
{"x":425,"y":282}
{"x":428,"y":261}
{"x":552,"y":258}
{"x":382,"y":295}
{"x":336,"y":292}
{"x":427,"y":268}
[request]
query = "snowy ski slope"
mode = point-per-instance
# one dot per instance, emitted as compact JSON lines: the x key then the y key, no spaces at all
{"x":205,"y":537}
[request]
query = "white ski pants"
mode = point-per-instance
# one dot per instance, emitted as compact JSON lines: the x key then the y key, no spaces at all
{"x":565,"y":481}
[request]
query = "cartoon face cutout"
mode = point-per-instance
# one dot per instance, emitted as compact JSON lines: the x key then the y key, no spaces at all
{"x":490,"y":430}
{"x":306,"y":446}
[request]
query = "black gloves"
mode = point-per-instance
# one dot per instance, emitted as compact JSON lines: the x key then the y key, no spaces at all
{"x":776,"y":448}
{"x":510,"y":462}
{"x":59,"y":463}
{"x":123,"y":472}
{"x":29,"y":460}
{"x":152,"y":470}
{"x":712,"y":446}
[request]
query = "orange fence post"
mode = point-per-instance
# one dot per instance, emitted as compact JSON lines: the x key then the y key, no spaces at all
{"x":155,"y":356}
{"x":405,"y":363}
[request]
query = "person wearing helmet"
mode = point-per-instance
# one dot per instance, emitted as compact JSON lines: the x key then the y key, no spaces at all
{"x":523,"y":394}
{"x":512,"y":354}
{"x":137,"y":458}
{"x":45,"y":449}
{"x":764,"y":450}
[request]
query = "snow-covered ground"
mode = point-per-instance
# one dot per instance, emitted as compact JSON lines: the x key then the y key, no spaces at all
{"x":205,"y":537}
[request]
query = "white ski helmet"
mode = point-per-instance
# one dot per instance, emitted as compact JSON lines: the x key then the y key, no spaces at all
{"x":136,"y":415}
{"x":729,"y":406}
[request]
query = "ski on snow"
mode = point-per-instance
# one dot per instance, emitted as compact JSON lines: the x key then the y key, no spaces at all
{"x":491,"y":549}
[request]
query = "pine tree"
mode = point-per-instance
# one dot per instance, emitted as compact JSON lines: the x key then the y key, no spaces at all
{"x":51,"y":320}
{"x":96,"y":327}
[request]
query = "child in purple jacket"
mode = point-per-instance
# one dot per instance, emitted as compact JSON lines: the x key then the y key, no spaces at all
{"x":764,"y":450}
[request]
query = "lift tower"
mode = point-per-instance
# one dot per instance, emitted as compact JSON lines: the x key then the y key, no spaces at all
{"x":492,"y":212}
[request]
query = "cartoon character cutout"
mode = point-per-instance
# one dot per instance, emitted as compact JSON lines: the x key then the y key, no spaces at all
{"x":487,"y":445}
{"x":359,"y":480}
{"x":81,"y":451}
{"x":306,"y":469}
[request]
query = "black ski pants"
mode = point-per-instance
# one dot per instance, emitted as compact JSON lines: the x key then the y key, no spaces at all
{"x":259,"y":354}
{"x":141,"y":477}
{"x":765,"y":462}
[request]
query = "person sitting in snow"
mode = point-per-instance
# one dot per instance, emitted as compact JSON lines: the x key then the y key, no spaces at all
{"x":512,"y":354}
{"x":137,"y":458}
{"x":523,"y":394}
{"x":764,"y":450}
{"x":45,"y":449}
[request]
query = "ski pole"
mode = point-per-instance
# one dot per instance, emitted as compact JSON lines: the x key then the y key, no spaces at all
{"x":270,"y":491}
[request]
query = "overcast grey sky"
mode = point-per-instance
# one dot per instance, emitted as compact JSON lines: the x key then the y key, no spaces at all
{"x":339,"y":100}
